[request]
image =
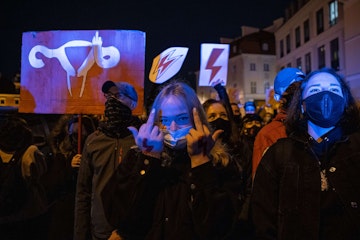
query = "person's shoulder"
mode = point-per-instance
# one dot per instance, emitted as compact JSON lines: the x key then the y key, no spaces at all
{"x":272,"y":128}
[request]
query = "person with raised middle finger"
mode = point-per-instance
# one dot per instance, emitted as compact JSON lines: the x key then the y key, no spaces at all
{"x":178,"y":182}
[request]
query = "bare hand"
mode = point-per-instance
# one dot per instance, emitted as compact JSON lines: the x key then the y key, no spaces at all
{"x":115,"y":236}
{"x":149,"y":138}
{"x":200,"y":141}
{"x":75,"y":161}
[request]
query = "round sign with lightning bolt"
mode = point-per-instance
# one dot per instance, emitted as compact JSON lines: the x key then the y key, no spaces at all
{"x":167,"y":64}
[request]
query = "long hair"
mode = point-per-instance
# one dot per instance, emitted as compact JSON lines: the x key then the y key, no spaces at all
{"x":235,"y":133}
{"x":296,"y":121}
{"x":187,"y":95}
{"x":60,"y":135}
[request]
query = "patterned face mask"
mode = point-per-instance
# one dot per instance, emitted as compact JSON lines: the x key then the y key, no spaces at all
{"x":324,"y":108}
{"x":176,"y":139}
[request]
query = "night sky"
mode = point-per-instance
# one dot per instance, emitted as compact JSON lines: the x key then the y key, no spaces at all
{"x":166,"y":23}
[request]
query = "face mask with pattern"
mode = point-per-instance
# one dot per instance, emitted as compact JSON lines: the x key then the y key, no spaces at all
{"x":324,"y":109}
{"x":176,"y":139}
{"x":118,"y":118}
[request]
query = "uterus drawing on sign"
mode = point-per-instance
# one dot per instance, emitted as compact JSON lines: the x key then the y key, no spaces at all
{"x":104,"y":57}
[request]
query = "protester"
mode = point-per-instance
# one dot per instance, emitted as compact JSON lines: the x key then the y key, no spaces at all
{"x":63,"y":166}
{"x":286,"y":82}
{"x":177,"y":183}
{"x":103,"y":151}
{"x":307,"y":185}
{"x":236,"y":115}
{"x":23,"y":202}
{"x":249,"y":107}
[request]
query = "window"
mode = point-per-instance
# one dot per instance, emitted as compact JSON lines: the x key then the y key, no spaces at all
{"x":288,"y":65}
{"x":333,"y":12}
{"x":253,"y":87}
{"x":307,"y":63}
{"x":298,"y":63}
{"x":266,"y":67}
{"x":266,"y":86}
{"x":265,"y":47}
{"x":252,"y":67}
{"x":320,"y":21}
{"x":306,"y":31}
{"x":281,"y":48}
{"x":297,"y":37}
{"x":334,"y":51}
{"x":288,"y":43}
{"x":321,"y":57}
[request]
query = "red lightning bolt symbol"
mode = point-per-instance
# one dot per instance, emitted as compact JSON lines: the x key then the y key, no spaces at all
{"x":216,"y":52}
{"x":166,"y":61}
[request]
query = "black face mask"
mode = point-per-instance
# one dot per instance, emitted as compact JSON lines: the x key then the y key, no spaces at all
{"x":116,"y":112}
{"x":324,"y":109}
{"x":251,"y":132}
{"x":224,"y":125}
{"x":118,"y":119}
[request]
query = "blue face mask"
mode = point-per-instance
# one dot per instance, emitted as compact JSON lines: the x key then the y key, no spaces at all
{"x":324,"y":109}
{"x":176,"y":139}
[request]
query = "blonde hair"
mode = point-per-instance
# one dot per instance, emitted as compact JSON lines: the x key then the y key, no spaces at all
{"x":187,"y":95}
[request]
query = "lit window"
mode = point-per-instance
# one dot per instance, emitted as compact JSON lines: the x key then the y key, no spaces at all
{"x":333,"y":12}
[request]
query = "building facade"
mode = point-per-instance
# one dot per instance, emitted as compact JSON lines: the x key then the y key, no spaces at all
{"x":318,"y":33}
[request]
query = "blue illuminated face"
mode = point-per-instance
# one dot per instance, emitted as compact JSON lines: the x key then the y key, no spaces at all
{"x":322,"y":82}
{"x":174,"y":114}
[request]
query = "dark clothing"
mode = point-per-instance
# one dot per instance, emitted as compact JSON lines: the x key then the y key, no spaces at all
{"x":145,"y":200}
{"x":288,"y":201}
{"x":100,"y":157}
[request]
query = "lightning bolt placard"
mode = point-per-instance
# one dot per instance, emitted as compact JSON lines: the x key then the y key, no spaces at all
{"x":167,"y":64}
{"x":214,"y":63}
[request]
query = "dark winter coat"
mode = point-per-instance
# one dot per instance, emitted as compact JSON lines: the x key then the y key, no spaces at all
{"x":287,"y":201}
{"x":146,"y":200}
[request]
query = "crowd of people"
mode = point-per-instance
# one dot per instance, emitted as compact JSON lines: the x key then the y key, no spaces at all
{"x":191,"y":170}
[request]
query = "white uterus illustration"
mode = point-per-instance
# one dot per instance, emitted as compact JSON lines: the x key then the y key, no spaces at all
{"x":105,"y":57}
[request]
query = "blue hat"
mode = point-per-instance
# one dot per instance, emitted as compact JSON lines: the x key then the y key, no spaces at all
{"x":124,"y":88}
{"x":286,"y":77}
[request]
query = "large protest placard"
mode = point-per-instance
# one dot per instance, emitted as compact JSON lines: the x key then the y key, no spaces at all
{"x":214,"y":64}
{"x":63,"y":71}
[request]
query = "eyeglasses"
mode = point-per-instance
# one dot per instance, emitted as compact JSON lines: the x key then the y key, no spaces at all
{"x":182,"y":119}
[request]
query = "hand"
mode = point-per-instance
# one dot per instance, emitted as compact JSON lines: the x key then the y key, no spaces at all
{"x":216,"y":82}
{"x":115,"y":236}
{"x":149,"y":138}
{"x":75,"y":161}
{"x":200,"y":141}
{"x":97,"y":41}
